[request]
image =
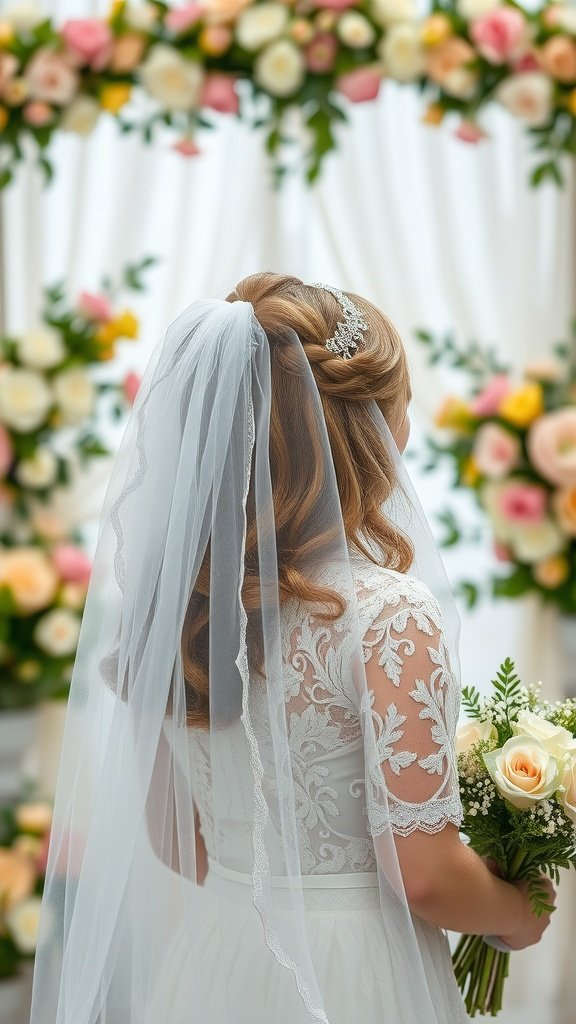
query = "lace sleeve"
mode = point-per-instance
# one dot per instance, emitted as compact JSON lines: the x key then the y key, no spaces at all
{"x":415,"y":699}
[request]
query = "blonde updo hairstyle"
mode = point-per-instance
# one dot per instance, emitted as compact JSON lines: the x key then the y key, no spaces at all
{"x":365,"y":471}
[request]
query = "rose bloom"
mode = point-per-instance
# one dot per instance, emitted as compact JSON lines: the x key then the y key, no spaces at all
{"x":35,"y":818}
{"x":475,"y":8}
{"x":501,"y":35}
{"x":355,"y":30}
{"x":39,"y":470}
{"x":361,"y":85}
{"x":552,"y":447}
{"x":72,"y":595}
{"x":50,"y":78}
{"x":321,"y":54}
{"x":524,"y":771}
{"x":88,"y":41}
{"x":280,"y":69}
{"x":219,"y":93}
{"x":57,"y":632}
{"x":24,"y":15}
{"x":470,"y":733}
{"x":38,"y":114}
{"x":468,"y":131}
{"x":436,"y":29}
{"x":529,"y":96}
{"x":523,"y":503}
{"x":523,"y":406}
{"x":547,"y":370}
{"x":487,"y":402}
{"x":171,"y":78}
{"x":555,"y":738}
{"x":496,"y":451}
{"x":447,"y":65}
{"x":127,"y":52}
{"x":261,"y":24}
{"x":564,"y":505}
{"x":551,"y":572}
{"x":42,"y":348}
{"x":557,"y":58}
{"x":224,"y":11}
{"x":71,"y":563}
{"x":48,"y":524}
{"x":74,"y":394}
{"x":214,"y":40}
{"x":567,"y":793}
{"x":187,"y":147}
{"x":25,"y":399}
{"x":17,"y":878}
{"x":95,"y":307}
{"x":131,"y":386}
{"x":386,"y":12}
{"x":402,"y":52}
{"x":81,"y":117}
{"x":30,"y":577}
{"x":23,"y":922}
{"x":180,"y":19}
{"x":535,"y":543}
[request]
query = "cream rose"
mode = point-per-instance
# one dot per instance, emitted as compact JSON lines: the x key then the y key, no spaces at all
{"x":39,"y":471}
{"x":402,"y":52}
{"x":41,"y":349}
{"x":81,"y":117}
{"x":524,"y":771}
{"x":74,"y":393}
{"x":30,"y":576}
{"x":260,"y":24}
{"x":470,"y":733}
{"x":24,"y":15}
{"x":171,"y":78}
{"x":35,"y":818}
{"x":470,"y":9}
{"x":23,"y":923}
{"x":567,"y":792}
{"x":557,"y":740}
{"x":527,"y":95}
{"x":57,"y":632}
{"x":387,"y":12}
{"x":280,"y":69}
{"x":142,"y":18}
{"x":25,"y":399}
{"x":355,"y":30}
{"x":535,"y":543}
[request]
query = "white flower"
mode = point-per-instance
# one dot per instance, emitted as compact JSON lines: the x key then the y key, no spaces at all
{"x":23,"y":922}
{"x":25,"y":399}
{"x":142,"y":17}
{"x":567,"y":793}
{"x":524,"y":771}
{"x":528,"y":95}
{"x":39,"y":471}
{"x":81,"y":117}
{"x":470,"y":9}
{"x":355,"y":30}
{"x":57,"y":632}
{"x":171,"y":78}
{"x":565,"y":17}
{"x":471,"y":733}
{"x":74,"y":393}
{"x":24,"y":15}
{"x":402,"y":52}
{"x":535,"y":543}
{"x":260,"y":24}
{"x":280,"y":69}
{"x":386,"y":12}
{"x":557,"y":740}
{"x":42,"y":348}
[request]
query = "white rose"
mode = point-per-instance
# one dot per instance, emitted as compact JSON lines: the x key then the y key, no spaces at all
{"x":567,"y":792}
{"x":24,"y":15}
{"x":41,"y":349}
{"x":355,"y":30}
{"x":260,"y":24}
{"x":557,"y":740}
{"x":402,"y":52}
{"x":566,"y":17}
{"x":470,"y":733}
{"x":524,"y":771}
{"x":74,"y":393}
{"x":280,"y":69}
{"x":81,"y":117}
{"x":529,"y":96}
{"x":57,"y":632}
{"x":142,"y":18}
{"x":470,"y":9}
{"x":535,"y":543}
{"x":23,"y":923}
{"x":172,"y":79}
{"x":39,"y":471}
{"x":25,"y":399}
{"x":35,"y":818}
{"x":386,"y":12}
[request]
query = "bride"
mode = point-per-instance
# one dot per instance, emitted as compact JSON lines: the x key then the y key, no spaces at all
{"x":258,"y":806}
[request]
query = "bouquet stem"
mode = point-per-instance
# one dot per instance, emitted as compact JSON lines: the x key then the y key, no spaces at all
{"x":480,"y":972}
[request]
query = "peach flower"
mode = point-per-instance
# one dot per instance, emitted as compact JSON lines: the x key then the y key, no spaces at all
{"x":496,"y":451}
{"x":37,"y":113}
{"x":131,"y":386}
{"x":187,"y":147}
{"x":558,"y":58}
{"x":467,"y":131}
{"x":30,"y":577}
{"x":9,"y":65}
{"x":361,"y":85}
{"x":214,"y":40}
{"x":500,"y":35}
{"x":224,"y":11}
{"x":17,"y":877}
{"x":6,"y":451}
{"x":449,"y":66}
{"x":127,"y":52}
{"x":71,"y":564}
{"x":552,"y":447}
{"x":321,"y":53}
{"x":50,"y":78}
{"x":219,"y":93}
{"x":547,"y":370}
{"x":551,"y":572}
{"x":528,"y":95}
{"x":523,"y":503}
{"x":89,"y":42}
{"x":564,"y":505}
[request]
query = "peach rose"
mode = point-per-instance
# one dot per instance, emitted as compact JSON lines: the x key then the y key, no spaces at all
{"x":470,"y":733}
{"x":523,"y":503}
{"x":219,"y":93}
{"x":30,"y":577}
{"x":546,"y":370}
{"x":88,"y":41}
{"x":321,"y":53}
{"x":524,"y":771}
{"x":496,"y":451}
{"x":17,"y":877}
{"x":35,"y":818}
{"x":50,"y":78}
{"x":487,"y":402}
{"x":127,"y":52}
{"x":500,"y":35}
{"x":37,"y":113}
{"x":528,"y":95}
{"x":95,"y":307}
{"x":361,"y":85}
{"x":555,"y":738}
{"x":552,"y":447}
{"x":449,"y":66}
{"x":214,"y":40}
{"x":551,"y":572}
{"x":558,"y":58}
{"x":564,"y":505}
{"x":567,"y":793}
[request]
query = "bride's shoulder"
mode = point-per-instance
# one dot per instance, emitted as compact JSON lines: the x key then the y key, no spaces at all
{"x":384,"y":593}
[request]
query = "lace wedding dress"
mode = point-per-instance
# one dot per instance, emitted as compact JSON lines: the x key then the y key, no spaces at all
{"x":415,"y":702}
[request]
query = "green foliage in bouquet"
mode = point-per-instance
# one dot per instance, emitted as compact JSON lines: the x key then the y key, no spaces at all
{"x":513,"y":446}
{"x":24,"y":837}
{"x":54,"y":396}
{"x":517,"y":768}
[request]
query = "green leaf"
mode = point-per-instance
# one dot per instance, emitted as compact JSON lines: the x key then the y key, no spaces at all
{"x":471,"y":701}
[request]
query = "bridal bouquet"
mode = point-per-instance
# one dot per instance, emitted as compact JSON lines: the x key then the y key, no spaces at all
{"x":517,"y":768}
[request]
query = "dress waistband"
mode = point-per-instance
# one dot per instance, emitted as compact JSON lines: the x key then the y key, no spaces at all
{"x":353,"y":880}
{"x":351,"y":891}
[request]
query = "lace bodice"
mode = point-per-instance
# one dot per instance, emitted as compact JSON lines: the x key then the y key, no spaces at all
{"x":414,"y":706}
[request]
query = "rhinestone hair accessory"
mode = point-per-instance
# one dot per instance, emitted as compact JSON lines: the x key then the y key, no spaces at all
{"x":350,"y":330}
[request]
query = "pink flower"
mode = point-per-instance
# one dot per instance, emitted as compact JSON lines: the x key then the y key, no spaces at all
{"x":37,"y":113}
{"x":361,"y":85}
{"x":335,"y":5}
{"x":6,"y":451}
{"x":89,"y":41}
{"x":187,"y":147}
{"x":95,"y":307}
{"x":467,"y":131}
{"x":321,"y":53}
{"x":552,"y":447}
{"x":500,"y":35}
{"x":131,"y":386}
{"x":50,"y":78}
{"x":71,"y":564}
{"x":219,"y":93}
{"x":523,"y":503}
{"x":528,"y":62}
{"x":180,"y":19}
{"x":488,"y":401}
{"x":496,"y":451}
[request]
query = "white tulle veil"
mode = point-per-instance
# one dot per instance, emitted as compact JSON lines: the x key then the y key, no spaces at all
{"x":189,"y":533}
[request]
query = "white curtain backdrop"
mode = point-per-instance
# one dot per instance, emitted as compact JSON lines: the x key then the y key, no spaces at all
{"x":439,"y":233}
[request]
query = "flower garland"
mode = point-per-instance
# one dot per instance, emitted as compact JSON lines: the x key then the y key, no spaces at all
{"x":50,"y":398}
{"x":310,"y":54}
{"x":514,"y":446}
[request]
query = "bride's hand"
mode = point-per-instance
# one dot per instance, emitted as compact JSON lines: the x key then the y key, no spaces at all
{"x":529,"y":929}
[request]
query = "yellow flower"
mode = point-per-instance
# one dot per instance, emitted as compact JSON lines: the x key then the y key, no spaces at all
{"x":4,"y":115}
{"x":434,"y":114}
{"x":454,"y":414}
{"x":436,"y":29}
{"x":571,"y":102}
{"x":114,"y":96}
{"x":6,"y":33}
{"x":107,"y":333}
{"x":106,"y":352}
{"x":126,"y":325}
{"x":470,"y":473}
{"x":551,"y":572}
{"x":523,"y":406}
{"x":116,"y":9}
